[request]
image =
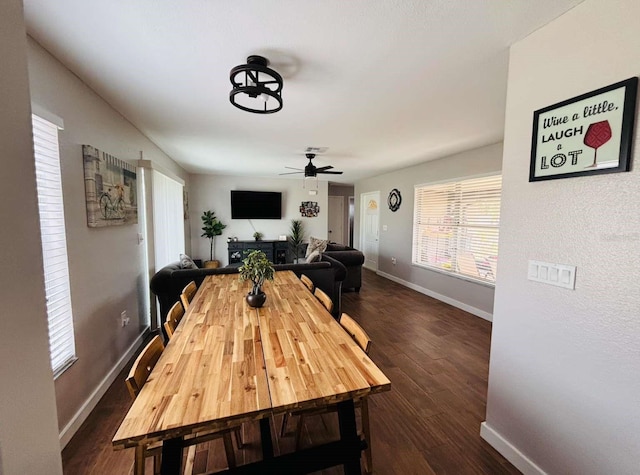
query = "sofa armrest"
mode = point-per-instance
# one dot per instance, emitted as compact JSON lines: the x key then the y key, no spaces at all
{"x":348,"y":258}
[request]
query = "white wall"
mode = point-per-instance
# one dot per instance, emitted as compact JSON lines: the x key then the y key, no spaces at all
{"x":28,"y":427}
{"x":106,"y":265}
{"x":564,"y":379}
{"x":213,"y":192}
{"x":397,"y":241}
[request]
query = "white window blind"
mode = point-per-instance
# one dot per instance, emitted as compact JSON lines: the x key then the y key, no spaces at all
{"x":54,"y":244}
{"x":168,"y":219}
{"x":456,"y":227}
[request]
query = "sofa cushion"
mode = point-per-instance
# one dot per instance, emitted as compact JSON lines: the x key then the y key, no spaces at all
{"x":314,"y":256}
{"x":186,"y":262}
{"x":316,"y":244}
{"x":332,"y":246}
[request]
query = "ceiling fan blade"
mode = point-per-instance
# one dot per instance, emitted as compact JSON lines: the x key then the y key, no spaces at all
{"x":291,"y":173}
{"x":321,"y":169}
{"x":329,"y":173}
{"x":292,"y":168}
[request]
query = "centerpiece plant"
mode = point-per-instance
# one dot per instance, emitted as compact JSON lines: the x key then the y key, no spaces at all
{"x":256,"y":268}
{"x":211,"y":227}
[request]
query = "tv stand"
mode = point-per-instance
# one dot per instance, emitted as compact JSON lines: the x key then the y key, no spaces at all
{"x":276,"y":251}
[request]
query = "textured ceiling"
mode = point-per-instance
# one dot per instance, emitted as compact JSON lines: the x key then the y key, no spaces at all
{"x":383,"y":84}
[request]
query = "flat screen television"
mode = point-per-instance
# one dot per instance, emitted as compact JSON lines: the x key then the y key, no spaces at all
{"x":256,"y":205}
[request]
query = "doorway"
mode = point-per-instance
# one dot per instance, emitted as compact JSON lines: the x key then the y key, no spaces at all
{"x":336,"y":219}
{"x":369,"y":219}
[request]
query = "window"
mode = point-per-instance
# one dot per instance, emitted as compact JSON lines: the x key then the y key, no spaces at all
{"x":54,"y":245}
{"x":168,"y":219}
{"x":456,"y":226}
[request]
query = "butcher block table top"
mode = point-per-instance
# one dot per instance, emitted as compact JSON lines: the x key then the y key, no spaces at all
{"x":229,"y":363}
{"x":310,"y":360}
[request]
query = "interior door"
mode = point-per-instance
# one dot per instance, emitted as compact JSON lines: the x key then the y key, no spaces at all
{"x":369,"y":218}
{"x":336,"y":219}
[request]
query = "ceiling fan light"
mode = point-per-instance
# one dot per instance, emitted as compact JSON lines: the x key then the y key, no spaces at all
{"x":253,"y":84}
{"x":310,"y":183}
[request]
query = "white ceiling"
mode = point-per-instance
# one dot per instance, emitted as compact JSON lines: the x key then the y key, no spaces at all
{"x":383,"y":83}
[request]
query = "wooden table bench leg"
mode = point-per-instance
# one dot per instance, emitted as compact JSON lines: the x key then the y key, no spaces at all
{"x":172,"y":457}
{"x":265,"y":437}
{"x":349,"y":431}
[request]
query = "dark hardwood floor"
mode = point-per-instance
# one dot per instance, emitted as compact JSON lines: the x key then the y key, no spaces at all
{"x":437,"y":358}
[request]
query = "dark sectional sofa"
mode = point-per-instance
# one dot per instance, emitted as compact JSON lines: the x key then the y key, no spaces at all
{"x":352,"y":259}
{"x":328,"y":274}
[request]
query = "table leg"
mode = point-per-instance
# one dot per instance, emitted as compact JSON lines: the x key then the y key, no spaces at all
{"x":265,"y":437}
{"x":172,"y":457}
{"x":349,"y":431}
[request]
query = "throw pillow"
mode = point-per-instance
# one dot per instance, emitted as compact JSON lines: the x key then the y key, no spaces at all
{"x":316,"y":244}
{"x":186,"y":262}
{"x":313,"y":257}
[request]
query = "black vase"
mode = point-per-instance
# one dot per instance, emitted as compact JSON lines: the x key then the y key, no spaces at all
{"x":256,"y":300}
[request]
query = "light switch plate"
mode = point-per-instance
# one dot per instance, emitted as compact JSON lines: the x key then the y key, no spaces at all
{"x":384,"y":227}
{"x":560,"y":275}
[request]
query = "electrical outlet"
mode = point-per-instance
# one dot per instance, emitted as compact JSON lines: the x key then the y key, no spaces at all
{"x":393,"y":261}
{"x":124,"y":318}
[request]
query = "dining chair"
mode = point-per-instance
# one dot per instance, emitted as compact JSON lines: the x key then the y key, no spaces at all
{"x":174,"y":316}
{"x":357,"y":333}
{"x":324,"y":299}
{"x":138,"y":375}
{"x":187,"y":294}
{"x":307,"y":281}
{"x":140,"y":371}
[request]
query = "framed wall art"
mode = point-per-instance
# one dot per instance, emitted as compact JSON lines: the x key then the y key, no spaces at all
{"x":586,"y":135}
{"x":110,"y":189}
{"x":309,"y":209}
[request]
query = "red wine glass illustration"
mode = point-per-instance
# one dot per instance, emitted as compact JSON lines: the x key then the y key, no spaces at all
{"x":598,"y":134}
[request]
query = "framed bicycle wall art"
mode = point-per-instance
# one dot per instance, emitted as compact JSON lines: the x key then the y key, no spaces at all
{"x":586,"y":135}
{"x":110,"y":189}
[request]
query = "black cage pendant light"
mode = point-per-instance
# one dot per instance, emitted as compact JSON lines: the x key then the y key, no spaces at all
{"x":256,"y":88}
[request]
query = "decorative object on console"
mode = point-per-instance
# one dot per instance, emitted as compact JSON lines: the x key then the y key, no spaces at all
{"x":257,"y":235}
{"x":585,"y":135}
{"x":256,"y":87}
{"x":211,"y":228}
{"x":309,"y":209}
{"x":256,"y":268}
{"x":395,"y":200}
{"x":296,"y":238}
{"x":110,"y":189}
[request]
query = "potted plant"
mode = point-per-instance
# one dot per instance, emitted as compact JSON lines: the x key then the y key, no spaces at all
{"x":257,"y":235}
{"x":211,"y":228}
{"x":296,"y":238}
{"x":256,"y":268}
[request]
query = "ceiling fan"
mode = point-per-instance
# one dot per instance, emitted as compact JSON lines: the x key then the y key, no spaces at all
{"x":311,"y":170}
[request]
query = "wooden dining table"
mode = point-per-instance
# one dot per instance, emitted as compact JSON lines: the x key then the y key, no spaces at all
{"x":228,"y":363}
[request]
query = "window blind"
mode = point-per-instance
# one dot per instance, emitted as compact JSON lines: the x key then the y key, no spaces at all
{"x":456,"y":227}
{"x":54,"y":244}
{"x":168,"y":219}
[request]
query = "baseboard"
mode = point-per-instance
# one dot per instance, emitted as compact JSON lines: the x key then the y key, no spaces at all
{"x":508,"y":451}
{"x":89,"y":405}
{"x":456,"y":303}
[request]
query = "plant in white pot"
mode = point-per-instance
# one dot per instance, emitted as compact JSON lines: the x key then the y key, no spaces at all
{"x":211,"y":227}
{"x":256,"y":268}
